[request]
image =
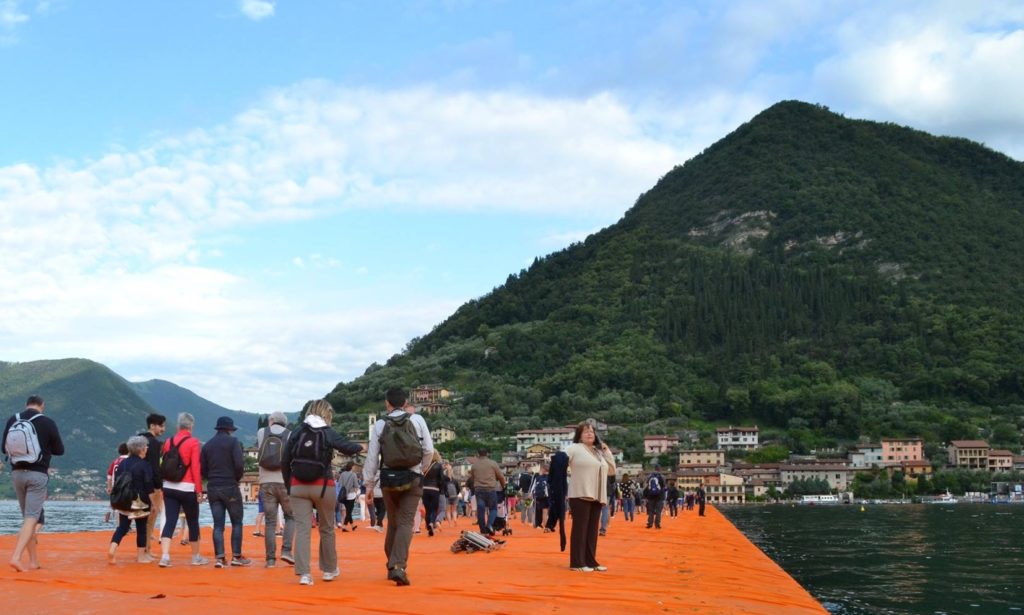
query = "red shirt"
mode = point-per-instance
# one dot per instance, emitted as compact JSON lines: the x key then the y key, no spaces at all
{"x":189,"y":452}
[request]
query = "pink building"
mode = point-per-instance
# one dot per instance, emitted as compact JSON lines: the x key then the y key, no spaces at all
{"x":655,"y":445}
{"x":895,"y":450}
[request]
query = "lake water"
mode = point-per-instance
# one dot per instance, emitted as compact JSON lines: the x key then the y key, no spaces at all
{"x":895,"y":559}
{"x":85,"y":516}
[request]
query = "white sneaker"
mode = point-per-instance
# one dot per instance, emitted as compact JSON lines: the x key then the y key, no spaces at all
{"x":165,"y":562}
{"x":330,"y":576}
{"x":199,"y":560}
{"x":583,"y":569}
{"x":306,"y":580}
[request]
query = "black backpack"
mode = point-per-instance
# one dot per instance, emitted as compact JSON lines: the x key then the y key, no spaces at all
{"x":173,"y":467}
{"x":122,"y":494}
{"x":654,"y":487}
{"x":540,"y":488}
{"x":272,"y":450}
{"x":308,"y":449}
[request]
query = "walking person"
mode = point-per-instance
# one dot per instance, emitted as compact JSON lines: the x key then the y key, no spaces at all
{"x":487,"y":481}
{"x":222,"y":466}
{"x":122,"y":454}
{"x":156,"y":425}
{"x":608,"y":510}
{"x":30,"y":440}
{"x":180,"y":469}
{"x":451,"y":487}
{"x":135,"y":465}
{"x":395,"y":442}
{"x":433,"y":481}
{"x":701,"y":498}
{"x":348,"y":490}
{"x":539,"y":493}
{"x":377,"y":510}
{"x":525,"y":496}
{"x":306,"y":468}
{"x":672,"y":498}
{"x":628,"y":488}
{"x":590,"y":464}
{"x":271,"y":442}
{"x":654,"y":494}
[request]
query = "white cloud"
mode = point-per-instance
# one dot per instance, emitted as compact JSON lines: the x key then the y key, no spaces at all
{"x":951,"y":71}
{"x":11,"y":17}
{"x":257,"y":9}
{"x":106,"y":257}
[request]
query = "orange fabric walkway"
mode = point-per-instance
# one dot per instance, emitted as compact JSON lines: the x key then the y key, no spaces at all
{"x":693,"y":565}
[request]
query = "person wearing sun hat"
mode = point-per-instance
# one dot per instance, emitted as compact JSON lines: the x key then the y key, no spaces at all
{"x":222,"y":467}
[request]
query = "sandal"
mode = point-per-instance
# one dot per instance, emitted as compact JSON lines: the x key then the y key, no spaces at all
{"x":184,"y":543}
{"x":257,"y":533}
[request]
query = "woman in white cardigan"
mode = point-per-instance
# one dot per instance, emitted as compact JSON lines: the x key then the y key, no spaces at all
{"x":590,"y":464}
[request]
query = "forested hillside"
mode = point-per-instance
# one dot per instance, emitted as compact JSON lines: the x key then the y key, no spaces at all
{"x":826,"y":278}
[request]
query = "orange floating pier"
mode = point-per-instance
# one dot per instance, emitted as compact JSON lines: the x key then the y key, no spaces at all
{"x":693,"y":565}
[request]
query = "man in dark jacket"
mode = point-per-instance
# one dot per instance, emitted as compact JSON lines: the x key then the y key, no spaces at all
{"x":654,"y":493}
{"x":156,"y":426}
{"x":222,"y":466}
{"x":30,"y":476}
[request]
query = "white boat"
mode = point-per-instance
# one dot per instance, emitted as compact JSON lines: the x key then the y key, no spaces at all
{"x":945,"y":498}
{"x":811,"y":500}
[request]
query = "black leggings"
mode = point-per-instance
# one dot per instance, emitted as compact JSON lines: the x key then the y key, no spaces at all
{"x":175,"y":501}
{"x":431,"y":502}
{"x":349,"y":505}
{"x":124,"y":524}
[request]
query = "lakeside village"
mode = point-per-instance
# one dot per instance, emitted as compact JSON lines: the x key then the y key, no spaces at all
{"x":827,"y":476}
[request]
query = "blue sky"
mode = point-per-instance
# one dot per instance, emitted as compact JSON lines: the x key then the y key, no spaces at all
{"x":258,"y":199}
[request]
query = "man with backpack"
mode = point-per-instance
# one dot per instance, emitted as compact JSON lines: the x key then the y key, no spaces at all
{"x":271,"y":442}
{"x":654,"y":493}
{"x":30,"y":440}
{"x":156,"y":426}
{"x":401,"y":449}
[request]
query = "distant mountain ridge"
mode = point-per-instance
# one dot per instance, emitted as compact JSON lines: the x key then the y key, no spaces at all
{"x":96,"y":409}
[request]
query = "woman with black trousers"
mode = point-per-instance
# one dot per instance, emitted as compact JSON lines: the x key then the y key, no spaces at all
{"x":590,"y":464}
{"x":433,"y":482}
{"x":142,"y":484}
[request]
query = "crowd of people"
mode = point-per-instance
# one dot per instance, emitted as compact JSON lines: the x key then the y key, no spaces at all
{"x":404,"y":481}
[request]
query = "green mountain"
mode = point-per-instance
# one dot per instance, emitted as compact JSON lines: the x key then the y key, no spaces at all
{"x":829,"y":279}
{"x":169,"y":399}
{"x":96,"y":409}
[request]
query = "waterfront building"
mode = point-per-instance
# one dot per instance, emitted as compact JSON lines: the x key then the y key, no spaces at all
{"x":737,"y":437}
{"x":656,"y":445}
{"x":969,"y":454}
{"x":724,"y":489}
{"x":764,"y":475}
{"x":702,"y":457}
{"x":895,"y":450}
{"x":1018,"y":462}
{"x":557,"y":437}
{"x":1000,"y":460}
{"x":250,"y":487}
{"x":921,"y":467}
{"x":865,"y":456}
{"x":688,"y":479}
{"x":837,"y":475}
